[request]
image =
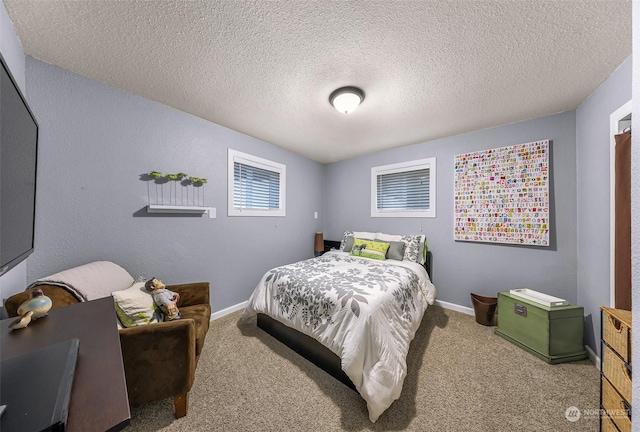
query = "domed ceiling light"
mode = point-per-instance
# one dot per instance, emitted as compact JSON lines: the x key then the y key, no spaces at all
{"x":346,"y":99}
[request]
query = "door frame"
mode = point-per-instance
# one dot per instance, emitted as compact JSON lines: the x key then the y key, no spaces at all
{"x":619,"y":120}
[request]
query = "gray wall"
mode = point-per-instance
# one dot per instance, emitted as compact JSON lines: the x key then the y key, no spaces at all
{"x":95,"y":143}
{"x":460,"y":268}
{"x":15,"y":279}
{"x":593,"y":180}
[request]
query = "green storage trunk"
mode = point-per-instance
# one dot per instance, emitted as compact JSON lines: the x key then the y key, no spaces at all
{"x":554,"y":334}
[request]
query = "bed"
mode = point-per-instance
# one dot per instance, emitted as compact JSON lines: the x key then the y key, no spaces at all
{"x":352,"y":315}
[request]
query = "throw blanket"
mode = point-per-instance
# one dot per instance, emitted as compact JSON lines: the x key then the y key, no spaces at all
{"x":365,"y":311}
{"x":91,"y":281}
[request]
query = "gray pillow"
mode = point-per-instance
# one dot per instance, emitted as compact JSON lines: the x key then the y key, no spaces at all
{"x":396,"y":250}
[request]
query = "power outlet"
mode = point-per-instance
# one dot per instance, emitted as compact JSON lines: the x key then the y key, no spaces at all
{"x":212,"y":212}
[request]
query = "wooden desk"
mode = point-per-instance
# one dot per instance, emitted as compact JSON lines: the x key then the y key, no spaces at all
{"x":99,"y":399}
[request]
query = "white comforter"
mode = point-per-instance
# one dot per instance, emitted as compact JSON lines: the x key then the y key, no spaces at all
{"x":365,"y":311}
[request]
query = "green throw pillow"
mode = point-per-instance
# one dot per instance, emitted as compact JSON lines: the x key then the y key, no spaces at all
{"x":369,"y":249}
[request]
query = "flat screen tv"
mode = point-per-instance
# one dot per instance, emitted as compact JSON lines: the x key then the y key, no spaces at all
{"x":18,"y":163}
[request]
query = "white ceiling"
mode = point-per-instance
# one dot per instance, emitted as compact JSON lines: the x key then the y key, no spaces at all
{"x":429,"y":69}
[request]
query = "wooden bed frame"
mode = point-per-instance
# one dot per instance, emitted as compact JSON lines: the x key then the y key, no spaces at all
{"x":310,"y":348}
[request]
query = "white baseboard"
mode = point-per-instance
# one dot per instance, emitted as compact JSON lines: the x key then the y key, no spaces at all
{"x":593,"y":357}
{"x":227,"y":311}
{"x":455,"y":307}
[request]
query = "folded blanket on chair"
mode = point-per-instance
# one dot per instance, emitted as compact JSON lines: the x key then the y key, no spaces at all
{"x":91,"y":281}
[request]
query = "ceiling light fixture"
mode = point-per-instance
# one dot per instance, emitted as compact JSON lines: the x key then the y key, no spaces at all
{"x":346,"y":99}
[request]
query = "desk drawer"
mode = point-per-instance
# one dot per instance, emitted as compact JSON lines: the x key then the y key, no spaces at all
{"x":617,"y":335}
{"x":614,"y":405}
{"x":617,"y":373}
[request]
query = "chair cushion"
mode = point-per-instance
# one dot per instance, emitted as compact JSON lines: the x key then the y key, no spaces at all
{"x":201,"y":314}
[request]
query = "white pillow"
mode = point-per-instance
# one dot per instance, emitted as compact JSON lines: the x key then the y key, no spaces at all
{"x":134,"y":305}
{"x":364,"y":235}
{"x":414,"y":248}
{"x":388,"y":237}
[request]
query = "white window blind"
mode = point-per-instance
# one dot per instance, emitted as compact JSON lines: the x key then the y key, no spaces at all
{"x":256,"y":186}
{"x":405,"y":189}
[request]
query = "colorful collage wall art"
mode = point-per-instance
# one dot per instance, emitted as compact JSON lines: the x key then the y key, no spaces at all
{"x":502,"y":195}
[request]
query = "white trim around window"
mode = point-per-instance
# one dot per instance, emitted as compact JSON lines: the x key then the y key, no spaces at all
{"x":255,"y":186}
{"x":406,"y":189}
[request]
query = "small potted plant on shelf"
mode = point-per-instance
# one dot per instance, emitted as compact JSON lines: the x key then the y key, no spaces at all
{"x":160,"y":179}
{"x":175,"y":178}
{"x":199,"y":183}
{"x":157,"y":177}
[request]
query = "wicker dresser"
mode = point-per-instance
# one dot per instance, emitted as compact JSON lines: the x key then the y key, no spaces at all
{"x":615,"y":366}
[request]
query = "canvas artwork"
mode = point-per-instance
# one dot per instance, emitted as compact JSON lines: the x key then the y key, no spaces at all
{"x":502,"y":195}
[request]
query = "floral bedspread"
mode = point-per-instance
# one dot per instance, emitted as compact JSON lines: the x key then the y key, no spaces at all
{"x":365,"y":311}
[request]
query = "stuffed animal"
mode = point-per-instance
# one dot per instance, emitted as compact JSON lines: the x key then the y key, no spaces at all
{"x":36,"y":307}
{"x":165,"y":299}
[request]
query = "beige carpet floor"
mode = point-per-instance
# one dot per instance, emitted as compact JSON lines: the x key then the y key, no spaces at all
{"x":462,"y":377}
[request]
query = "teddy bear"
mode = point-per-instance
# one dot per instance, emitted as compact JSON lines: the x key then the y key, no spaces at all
{"x":165,"y":299}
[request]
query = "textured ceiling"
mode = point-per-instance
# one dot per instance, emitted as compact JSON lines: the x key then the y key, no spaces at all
{"x":429,"y":69}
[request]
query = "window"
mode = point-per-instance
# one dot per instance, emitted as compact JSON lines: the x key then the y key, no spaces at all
{"x":256,"y":186}
{"x":406,"y":189}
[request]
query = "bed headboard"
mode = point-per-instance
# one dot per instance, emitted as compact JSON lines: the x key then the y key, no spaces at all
{"x":427,"y":264}
{"x":331,"y":244}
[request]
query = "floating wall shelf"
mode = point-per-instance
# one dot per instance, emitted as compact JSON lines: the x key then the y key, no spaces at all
{"x":157,"y":208}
